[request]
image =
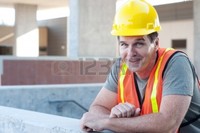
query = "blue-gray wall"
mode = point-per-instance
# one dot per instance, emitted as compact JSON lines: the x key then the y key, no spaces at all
{"x":63,"y":100}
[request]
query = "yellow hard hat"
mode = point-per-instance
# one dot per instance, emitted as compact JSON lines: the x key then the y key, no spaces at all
{"x":135,"y":17}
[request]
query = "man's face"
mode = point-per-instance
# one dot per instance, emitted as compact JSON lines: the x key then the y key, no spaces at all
{"x":137,"y":52}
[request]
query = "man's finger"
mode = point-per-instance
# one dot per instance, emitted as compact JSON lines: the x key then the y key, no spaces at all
{"x":137,"y":112}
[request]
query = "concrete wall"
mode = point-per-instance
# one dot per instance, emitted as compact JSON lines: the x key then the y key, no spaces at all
{"x":177,"y":23}
{"x":196,"y":51}
{"x":182,"y":29}
{"x":64,"y":100}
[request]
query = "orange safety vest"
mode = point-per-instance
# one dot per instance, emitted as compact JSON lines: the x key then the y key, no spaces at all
{"x":153,"y":94}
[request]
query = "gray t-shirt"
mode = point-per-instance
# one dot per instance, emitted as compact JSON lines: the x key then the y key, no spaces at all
{"x":178,"y":79}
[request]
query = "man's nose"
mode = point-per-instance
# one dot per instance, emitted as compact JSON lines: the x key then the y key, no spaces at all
{"x":131,"y":51}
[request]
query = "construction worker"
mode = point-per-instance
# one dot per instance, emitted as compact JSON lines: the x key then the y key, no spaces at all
{"x":149,"y":89}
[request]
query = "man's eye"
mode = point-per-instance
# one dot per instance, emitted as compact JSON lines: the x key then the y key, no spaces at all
{"x":139,"y":45}
{"x":123,"y":44}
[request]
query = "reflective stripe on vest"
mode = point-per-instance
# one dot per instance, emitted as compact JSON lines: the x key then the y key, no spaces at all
{"x":154,"y":102}
{"x":122,"y":76}
{"x":152,"y":96}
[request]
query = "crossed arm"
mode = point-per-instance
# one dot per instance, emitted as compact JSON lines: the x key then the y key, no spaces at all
{"x":105,"y":114}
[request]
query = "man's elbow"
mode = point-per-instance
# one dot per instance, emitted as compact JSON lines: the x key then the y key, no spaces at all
{"x":171,"y":126}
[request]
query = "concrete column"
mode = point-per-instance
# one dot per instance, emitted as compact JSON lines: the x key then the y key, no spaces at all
{"x":26,"y":31}
{"x":1,"y":69}
{"x":90,"y":23}
{"x":73,"y":29}
{"x":196,"y":8}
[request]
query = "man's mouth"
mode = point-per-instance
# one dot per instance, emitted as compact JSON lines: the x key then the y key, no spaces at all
{"x":134,"y":60}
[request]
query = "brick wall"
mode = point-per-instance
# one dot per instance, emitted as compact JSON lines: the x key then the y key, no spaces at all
{"x":32,"y":72}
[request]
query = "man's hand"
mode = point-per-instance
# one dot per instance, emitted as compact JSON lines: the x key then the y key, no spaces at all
{"x":124,"y":110}
{"x":93,"y":122}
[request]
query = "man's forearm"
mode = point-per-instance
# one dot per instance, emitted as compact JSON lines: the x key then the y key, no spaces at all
{"x":98,"y":109}
{"x":152,"y":123}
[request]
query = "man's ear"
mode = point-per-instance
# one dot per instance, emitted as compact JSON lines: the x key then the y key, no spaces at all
{"x":156,"y":41}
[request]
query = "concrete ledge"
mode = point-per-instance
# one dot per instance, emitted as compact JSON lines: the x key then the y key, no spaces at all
{"x":21,"y":121}
{"x":14,"y":120}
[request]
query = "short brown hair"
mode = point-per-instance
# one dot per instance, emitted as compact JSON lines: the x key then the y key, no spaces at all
{"x":152,"y":36}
